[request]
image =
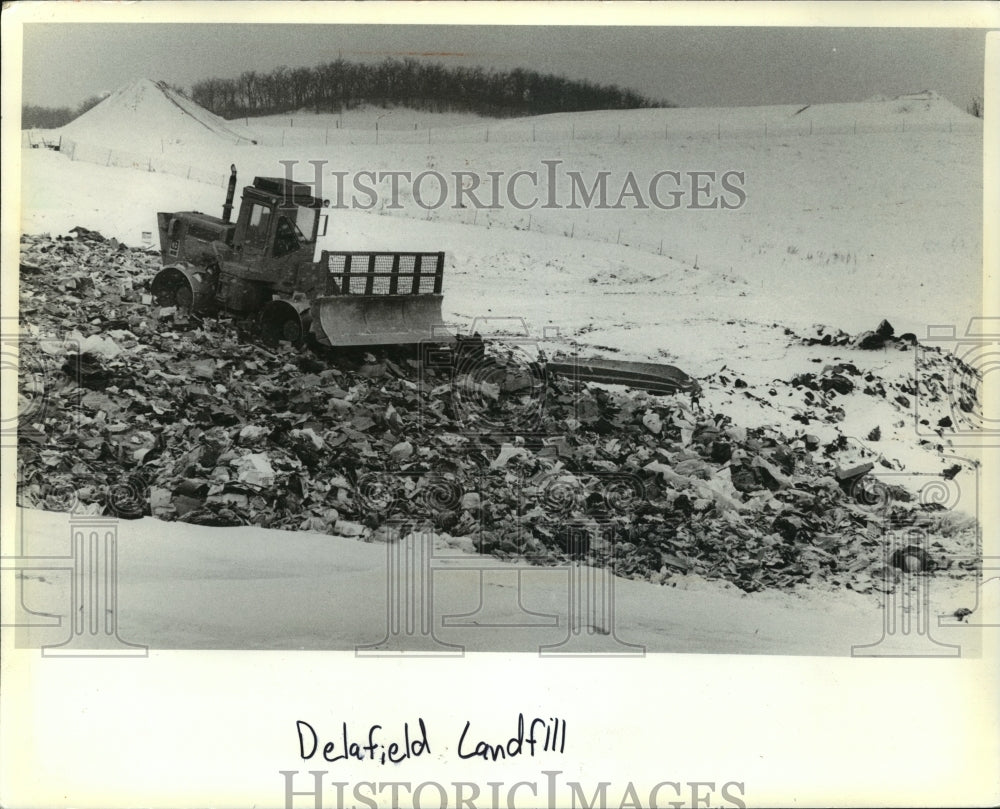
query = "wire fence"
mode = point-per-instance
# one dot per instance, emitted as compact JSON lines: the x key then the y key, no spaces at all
{"x":105,"y":156}
{"x":507,"y":218}
{"x":306,"y":133}
{"x":34,"y":139}
{"x":303,"y":132}
{"x":642,"y":239}
{"x":541,"y":222}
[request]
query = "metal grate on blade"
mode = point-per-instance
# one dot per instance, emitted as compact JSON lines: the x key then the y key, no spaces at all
{"x":384,"y":273}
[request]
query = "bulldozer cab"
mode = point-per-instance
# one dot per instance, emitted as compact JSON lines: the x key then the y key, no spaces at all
{"x":278,"y":220}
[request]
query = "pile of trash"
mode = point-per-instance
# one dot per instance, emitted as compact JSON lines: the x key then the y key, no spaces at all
{"x":946,"y":376}
{"x":882,"y":336}
{"x":131,"y":410}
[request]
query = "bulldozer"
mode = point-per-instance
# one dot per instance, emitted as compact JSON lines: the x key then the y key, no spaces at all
{"x":264,"y":268}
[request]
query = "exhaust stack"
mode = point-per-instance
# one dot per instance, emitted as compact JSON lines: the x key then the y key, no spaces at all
{"x":227,"y":209}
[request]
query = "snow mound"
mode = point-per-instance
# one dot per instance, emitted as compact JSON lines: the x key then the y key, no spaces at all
{"x":146,"y":115}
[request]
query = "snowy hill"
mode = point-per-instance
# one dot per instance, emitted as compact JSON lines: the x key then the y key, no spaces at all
{"x":922,"y":110}
{"x":146,"y":115}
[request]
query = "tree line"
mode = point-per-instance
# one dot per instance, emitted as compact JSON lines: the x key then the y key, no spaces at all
{"x":338,"y":85}
{"x":35,"y":117}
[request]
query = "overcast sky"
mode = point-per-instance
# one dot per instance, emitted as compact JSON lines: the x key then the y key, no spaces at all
{"x":65,"y":63}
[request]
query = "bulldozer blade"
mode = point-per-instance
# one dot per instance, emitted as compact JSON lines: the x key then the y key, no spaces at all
{"x":361,"y":320}
{"x":648,"y":376}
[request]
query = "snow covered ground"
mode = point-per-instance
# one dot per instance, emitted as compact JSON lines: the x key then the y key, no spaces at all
{"x":853,"y":213}
{"x":884,"y":223}
{"x":191,"y":587}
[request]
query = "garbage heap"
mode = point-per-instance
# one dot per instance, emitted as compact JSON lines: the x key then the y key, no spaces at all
{"x":131,"y":410}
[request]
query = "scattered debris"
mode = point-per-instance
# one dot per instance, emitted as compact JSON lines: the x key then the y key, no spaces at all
{"x":146,"y":413}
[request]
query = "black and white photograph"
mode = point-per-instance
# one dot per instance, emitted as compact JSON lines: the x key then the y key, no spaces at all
{"x":456,"y":399}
